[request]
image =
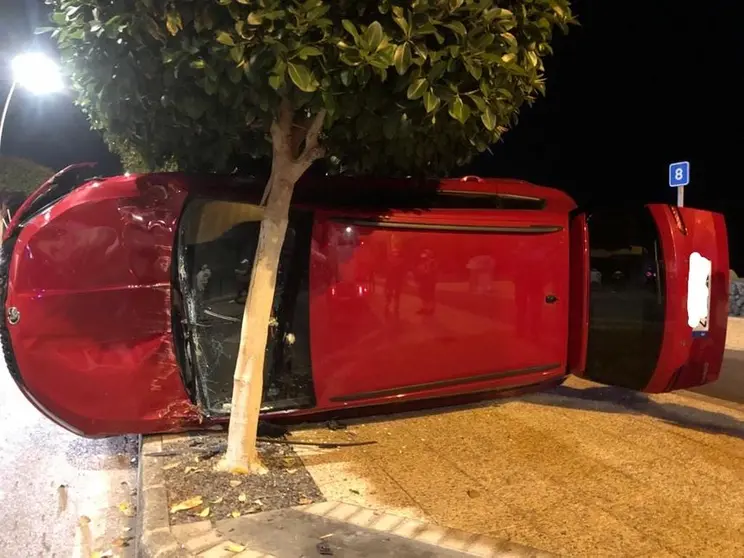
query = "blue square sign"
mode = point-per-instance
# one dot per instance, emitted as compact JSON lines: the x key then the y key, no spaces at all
{"x":679,"y":174}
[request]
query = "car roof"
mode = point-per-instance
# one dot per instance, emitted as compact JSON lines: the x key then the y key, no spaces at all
{"x":361,"y":193}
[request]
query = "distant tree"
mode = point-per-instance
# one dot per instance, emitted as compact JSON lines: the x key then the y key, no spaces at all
{"x":387,"y":86}
{"x":18,"y":178}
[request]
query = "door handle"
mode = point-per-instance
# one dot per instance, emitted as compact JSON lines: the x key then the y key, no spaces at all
{"x":551,"y":299}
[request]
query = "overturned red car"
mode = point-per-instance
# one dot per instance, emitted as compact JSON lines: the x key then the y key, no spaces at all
{"x":123,"y":296}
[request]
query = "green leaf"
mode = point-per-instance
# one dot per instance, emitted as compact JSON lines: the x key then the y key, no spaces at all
{"x":488,"y":119}
{"x":497,"y":13}
{"x":225,"y":38}
{"x":305,"y":52}
{"x":236,"y":53}
{"x":437,"y":70}
{"x":59,"y":18}
{"x":346,"y":76}
{"x":417,"y":88}
{"x":173,"y":22}
{"x":302,"y":77}
{"x":473,"y":69}
{"x":403,"y":24}
{"x":373,"y":36}
{"x":431,"y":101}
{"x":402,"y":58}
{"x":479,"y":102}
{"x":505,"y":93}
{"x":459,"y":110}
{"x":457,"y":27}
{"x":276,"y":81}
{"x":511,"y":40}
{"x":352,"y":30}
{"x":454,"y":4}
{"x":198,"y":64}
{"x":254,"y":19}
{"x":508,"y":58}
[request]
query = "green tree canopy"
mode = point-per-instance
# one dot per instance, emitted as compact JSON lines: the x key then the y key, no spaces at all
{"x":414,"y":86}
{"x":391,"y":86}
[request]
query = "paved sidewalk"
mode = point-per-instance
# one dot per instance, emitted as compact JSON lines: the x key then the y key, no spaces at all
{"x":730,"y":384}
{"x":325,"y":528}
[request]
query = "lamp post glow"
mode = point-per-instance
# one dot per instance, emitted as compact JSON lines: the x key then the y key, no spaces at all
{"x":35,"y":72}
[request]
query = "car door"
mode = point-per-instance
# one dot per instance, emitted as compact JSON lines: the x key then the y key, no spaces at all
{"x":435,"y":303}
{"x":656,"y":302}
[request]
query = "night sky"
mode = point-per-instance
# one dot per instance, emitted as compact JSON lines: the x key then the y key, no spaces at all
{"x":637,"y":86}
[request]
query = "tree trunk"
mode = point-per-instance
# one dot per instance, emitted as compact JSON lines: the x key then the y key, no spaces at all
{"x":248,"y":380}
{"x":287,"y":168}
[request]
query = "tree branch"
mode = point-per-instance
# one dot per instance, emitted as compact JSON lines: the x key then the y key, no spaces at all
{"x":313,"y":151}
{"x":281,"y":127}
{"x":299,"y":132}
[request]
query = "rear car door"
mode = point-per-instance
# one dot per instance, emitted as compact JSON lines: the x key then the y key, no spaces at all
{"x":436,"y":303}
{"x":657,"y":294}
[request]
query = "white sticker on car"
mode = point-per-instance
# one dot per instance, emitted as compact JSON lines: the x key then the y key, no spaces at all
{"x":698,"y":292}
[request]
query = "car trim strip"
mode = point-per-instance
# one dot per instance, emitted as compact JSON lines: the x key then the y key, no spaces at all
{"x":512,"y":229}
{"x":443,"y":383}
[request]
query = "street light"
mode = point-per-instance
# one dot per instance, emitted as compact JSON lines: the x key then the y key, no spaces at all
{"x":35,"y":72}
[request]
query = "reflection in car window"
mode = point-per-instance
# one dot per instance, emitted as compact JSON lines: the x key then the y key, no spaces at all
{"x":626,"y":321}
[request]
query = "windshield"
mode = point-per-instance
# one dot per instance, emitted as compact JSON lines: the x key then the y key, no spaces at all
{"x":217,"y":249}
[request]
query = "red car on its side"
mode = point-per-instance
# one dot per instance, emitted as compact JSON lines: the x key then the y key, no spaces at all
{"x":123,"y":296}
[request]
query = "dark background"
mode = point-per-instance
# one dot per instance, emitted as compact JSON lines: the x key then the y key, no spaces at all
{"x":637,"y":86}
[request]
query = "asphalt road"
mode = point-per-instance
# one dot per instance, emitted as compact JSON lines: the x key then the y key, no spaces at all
{"x":60,"y":494}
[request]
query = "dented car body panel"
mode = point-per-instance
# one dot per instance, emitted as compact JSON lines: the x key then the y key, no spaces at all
{"x":123,"y":298}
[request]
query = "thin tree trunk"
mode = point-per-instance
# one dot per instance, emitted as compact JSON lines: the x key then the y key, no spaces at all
{"x":287,"y":168}
{"x":248,"y":381}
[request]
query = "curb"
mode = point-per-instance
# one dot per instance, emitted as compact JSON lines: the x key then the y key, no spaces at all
{"x":154,"y":537}
{"x":157,"y":539}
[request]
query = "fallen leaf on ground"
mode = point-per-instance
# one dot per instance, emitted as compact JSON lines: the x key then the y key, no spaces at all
{"x":291,"y":471}
{"x":62,"y":498}
{"x":121,"y":542}
{"x":171,"y":466}
{"x":126,"y":509}
{"x":304,"y":500}
{"x":235,"y":483}
{"x":204,"y":512}
{"x":259,"y":503}
{"x":235,"y":513}
{"x":242,"y":497}
{"x":190,"y":469}
{"x":187,"y":504}
{"x":232,"y":547}
{"x":217,"y":500}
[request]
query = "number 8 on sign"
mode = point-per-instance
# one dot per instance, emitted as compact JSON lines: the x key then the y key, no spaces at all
{"x":679,"y":174}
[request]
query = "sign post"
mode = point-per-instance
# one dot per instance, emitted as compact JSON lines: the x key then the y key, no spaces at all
{"x":679,"y":177}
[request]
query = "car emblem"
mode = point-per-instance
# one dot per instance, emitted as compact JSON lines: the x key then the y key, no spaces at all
{"x":14,"y":316}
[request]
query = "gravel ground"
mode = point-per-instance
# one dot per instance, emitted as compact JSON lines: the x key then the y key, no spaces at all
{"x":192,"y":481}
